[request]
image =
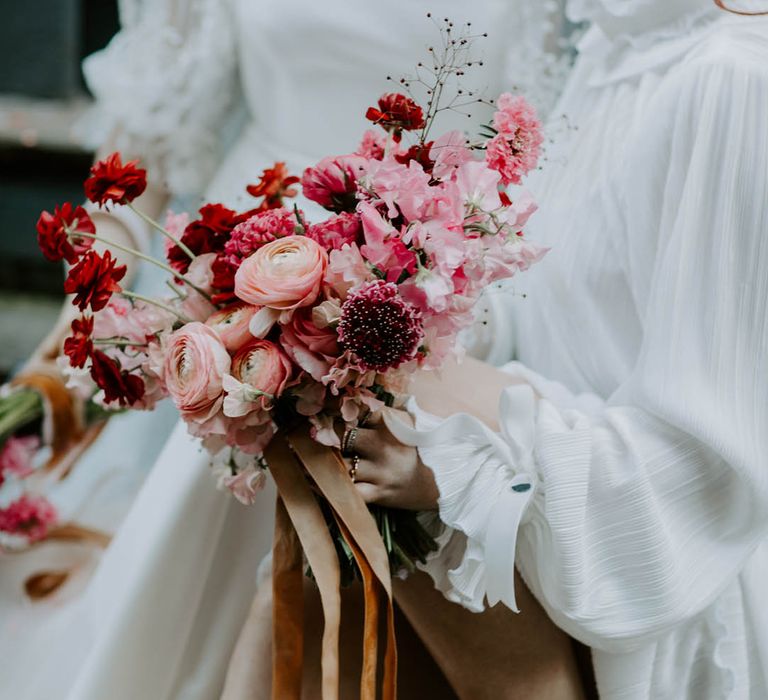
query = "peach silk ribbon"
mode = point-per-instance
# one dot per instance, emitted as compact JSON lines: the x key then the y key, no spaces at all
{"x":300,"y":524}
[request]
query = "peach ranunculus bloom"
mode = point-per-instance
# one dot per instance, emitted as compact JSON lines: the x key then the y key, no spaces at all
{"x":231,"y":324}
{"x":260,"y":371}
{"x":195,"y":364}
{"x":282,"y":275}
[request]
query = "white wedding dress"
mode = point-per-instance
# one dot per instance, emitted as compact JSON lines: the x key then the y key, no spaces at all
{"x":633,"y":475}
{"x":213,"y":92}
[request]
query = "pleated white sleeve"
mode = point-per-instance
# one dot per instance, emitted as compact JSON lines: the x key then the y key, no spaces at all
{"x":636,"y":511}
{"x":164,"y":87}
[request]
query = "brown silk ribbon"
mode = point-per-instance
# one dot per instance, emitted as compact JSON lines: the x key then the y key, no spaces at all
{"x":302,"y":512}
{"x":59,"y":407}
{"x":307,"y":518}
{"x":329,"y":472}
{"x":371,"y":625}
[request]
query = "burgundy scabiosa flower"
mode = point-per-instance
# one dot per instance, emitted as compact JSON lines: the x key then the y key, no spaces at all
{"x":380,"y":327}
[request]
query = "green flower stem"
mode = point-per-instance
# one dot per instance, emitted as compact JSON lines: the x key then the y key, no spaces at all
{"x":116,"y":342}
{"x":18,"y":409}
{"x":141,"y":256}
{"x":162,"y":230}
{"x":159,"y":305}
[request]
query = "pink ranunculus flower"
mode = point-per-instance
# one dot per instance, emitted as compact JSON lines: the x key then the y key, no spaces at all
{"x":17,"y":456}
{"x":196,"y":362}
{"x":337,"y":231}
{"x":260,"y":371}
{"x":283,"y":275}
{"x":231,"y":324}
{"x":332,"y":183}
{"x":311,"y":348}
{"x":246,"y":484}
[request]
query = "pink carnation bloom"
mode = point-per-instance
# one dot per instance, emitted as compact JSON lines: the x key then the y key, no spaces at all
{"x":17,"y":456}
{"x":515,"y":150}
{"x":372,"y":145}
{"x":28,"y":516}
{"x":261,"y":228}
{"x":336,"y":232}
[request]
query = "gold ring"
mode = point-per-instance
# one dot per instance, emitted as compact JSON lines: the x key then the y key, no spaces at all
{"x":348,"y":442}
{"x":353,"y":468}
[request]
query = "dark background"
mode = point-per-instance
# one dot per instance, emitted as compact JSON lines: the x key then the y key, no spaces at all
{"x":42,"y":94}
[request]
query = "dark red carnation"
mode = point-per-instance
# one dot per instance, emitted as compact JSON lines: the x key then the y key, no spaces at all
{"x":118,"y":385}
{"x":419,"y":153}
{"x":94,"y":280}
{"x":275,"y":184}
{"x":111,"y":181}
{"x":208,"y":234}
{"x":396,"y":113}
{"x":380,"y":327}
{"x":52,"y":235}
{"x":79,"y":346}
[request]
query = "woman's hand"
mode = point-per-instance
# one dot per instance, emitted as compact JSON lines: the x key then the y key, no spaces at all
{"x":390,"y":473}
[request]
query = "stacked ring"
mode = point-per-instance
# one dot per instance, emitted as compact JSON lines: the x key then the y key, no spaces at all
{"x":348,"y":442}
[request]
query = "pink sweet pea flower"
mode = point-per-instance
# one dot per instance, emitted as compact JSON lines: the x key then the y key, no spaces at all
{"x":449,"y":152}
{"x":383,"y":247}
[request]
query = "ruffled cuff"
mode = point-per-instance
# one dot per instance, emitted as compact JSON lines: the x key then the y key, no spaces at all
{"x":486,"y":481}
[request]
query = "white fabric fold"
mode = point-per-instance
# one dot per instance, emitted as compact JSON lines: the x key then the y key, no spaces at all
{"x":482,"y":494}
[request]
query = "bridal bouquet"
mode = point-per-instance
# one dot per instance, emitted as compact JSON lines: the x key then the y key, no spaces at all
{"x":273,"y":319}
{"x":282,"y":328}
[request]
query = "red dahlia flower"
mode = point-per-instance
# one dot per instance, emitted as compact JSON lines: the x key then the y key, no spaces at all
{"x":380,"y":327}
{"x":396,"y":113}
{"x":79,"y":346}
{"x":111,"y":181}
{"x":275,"y":184}
{"x":118,"y":385}
{"x":52,"y":235}
{"x":94,"y":280}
